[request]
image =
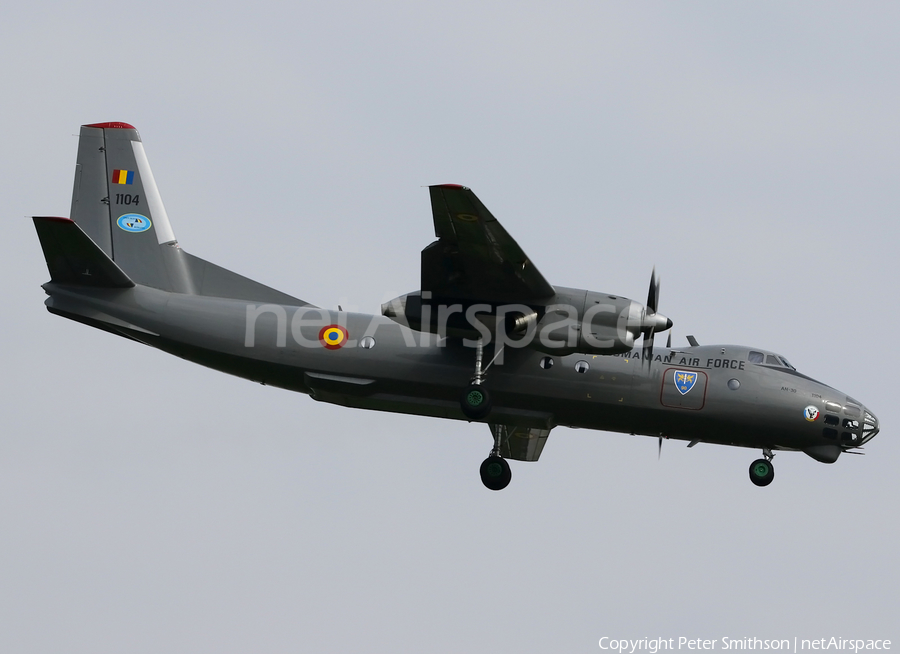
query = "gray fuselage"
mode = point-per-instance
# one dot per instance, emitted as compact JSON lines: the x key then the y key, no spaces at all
{"x":729,"y":398}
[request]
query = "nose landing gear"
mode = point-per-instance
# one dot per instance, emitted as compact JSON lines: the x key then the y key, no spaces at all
{"x":762,"y":472}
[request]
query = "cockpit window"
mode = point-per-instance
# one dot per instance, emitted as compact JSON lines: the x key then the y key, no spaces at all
{"x":769,"y":359}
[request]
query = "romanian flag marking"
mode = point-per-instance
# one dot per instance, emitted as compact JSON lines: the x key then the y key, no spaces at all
{"x":333,"y":337}
{"x":123,"y":176}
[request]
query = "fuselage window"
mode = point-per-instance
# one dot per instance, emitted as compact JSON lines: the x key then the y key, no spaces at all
{"x":832,"y":420}
{"x":547,"y":363}
{"x":772,"y":360}
{"x":755,"y":357}
{"x":582,"y":366}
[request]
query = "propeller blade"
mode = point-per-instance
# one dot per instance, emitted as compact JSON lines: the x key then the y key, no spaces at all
{"x":647,"y":354}
{"x":659,"y":452}
{"x":652,"y":303}
{"x":653,"y":293}
{"x":658,"y":283}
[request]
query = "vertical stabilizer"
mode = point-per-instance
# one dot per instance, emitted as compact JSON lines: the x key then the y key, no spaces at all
{"x":89,"y":210}
{"x":117,"y":203}
{"x":120,"y":213}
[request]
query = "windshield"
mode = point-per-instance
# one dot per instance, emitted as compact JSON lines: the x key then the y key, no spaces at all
{"x":769,"y":359}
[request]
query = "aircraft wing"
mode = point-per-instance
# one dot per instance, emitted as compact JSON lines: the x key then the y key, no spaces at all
{"x":474,"y":258}
{"x":520,"y":443}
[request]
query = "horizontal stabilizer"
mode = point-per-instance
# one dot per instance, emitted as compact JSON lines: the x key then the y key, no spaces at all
{"x":73,"y":258}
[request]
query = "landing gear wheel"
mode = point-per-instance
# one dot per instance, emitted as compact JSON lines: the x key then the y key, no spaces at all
{"x":495,"y":473}
{"x":475,"y":402}
{"x":762,"y":472}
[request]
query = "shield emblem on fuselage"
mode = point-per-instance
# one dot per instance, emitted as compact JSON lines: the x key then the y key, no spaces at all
{"x":683,"y":389}
{"x":685,"y":381}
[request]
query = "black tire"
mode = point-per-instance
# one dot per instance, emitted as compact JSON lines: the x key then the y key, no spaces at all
{"x":762,"y":472}
{"x":495,"y":473}
{"x":475,"y":402}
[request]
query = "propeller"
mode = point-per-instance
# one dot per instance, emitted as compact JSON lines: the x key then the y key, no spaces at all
{"x":653,"y":321}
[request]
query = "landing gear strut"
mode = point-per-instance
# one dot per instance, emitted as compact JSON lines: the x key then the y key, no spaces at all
{"x":762,"y":472}
{"x":475,"y":401}
{"x":495,"y":472}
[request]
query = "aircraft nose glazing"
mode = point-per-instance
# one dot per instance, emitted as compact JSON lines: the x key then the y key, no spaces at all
{"x":870,"y":426}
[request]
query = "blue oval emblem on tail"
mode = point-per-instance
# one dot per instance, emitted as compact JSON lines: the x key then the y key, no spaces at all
{"x":134,"y":222}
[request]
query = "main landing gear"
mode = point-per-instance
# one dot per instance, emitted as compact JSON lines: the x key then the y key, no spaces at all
{"x":762,"y":472}
{"x":475,"y":401}
{"x":495,"y":472}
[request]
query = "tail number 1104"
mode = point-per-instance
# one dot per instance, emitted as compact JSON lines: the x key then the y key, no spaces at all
{"x":128,"y":198}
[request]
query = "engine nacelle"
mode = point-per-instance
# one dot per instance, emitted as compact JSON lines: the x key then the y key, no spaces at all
{"x":421,"y":312}
{"x":574,"y":320}
{"x":588,"y":322}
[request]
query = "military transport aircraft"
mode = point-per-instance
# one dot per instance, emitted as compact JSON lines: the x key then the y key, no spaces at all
{"x":486,"y":338}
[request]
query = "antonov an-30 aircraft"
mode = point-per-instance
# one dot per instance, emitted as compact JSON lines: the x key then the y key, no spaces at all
{"x":485,"y":339}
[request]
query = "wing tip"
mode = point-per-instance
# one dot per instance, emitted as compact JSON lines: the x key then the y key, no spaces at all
{"x":112,"y":125}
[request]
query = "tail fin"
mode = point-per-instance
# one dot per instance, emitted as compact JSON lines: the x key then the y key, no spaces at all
{"x":117,"y":204}
{"x":123,"y":223}
{"x":73,"y":258}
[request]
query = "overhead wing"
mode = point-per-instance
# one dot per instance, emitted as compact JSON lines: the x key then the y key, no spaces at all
{"x":520,"y":443}
{"x":474,"y":258}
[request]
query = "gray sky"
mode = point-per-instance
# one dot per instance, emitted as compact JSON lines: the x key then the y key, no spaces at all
{"x":748,"y":150}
